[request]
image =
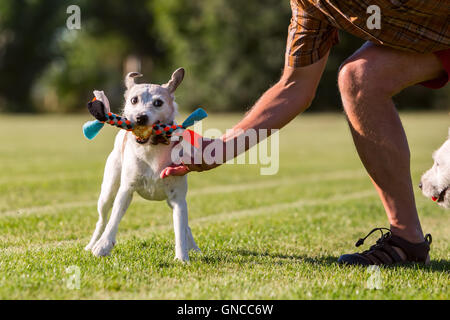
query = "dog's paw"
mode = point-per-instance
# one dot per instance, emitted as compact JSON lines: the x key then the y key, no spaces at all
{"x":182,"y":256}
{"x":182,"y":259}
{"x":89,"y":247}
{"x":103,"y":247}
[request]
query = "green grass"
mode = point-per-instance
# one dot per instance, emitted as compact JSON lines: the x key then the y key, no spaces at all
{"x":274,"y":237}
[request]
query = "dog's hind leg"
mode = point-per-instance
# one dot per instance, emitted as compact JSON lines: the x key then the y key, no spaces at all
{"x":110,"y":185}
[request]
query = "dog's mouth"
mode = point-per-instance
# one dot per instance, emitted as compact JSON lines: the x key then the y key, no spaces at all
{"x":441,"y":196}
{"x":141,"y":140}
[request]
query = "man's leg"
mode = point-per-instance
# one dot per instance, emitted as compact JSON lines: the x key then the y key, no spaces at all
{"x":367,"y":81}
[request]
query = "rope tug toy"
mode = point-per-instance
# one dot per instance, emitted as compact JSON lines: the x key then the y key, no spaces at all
{"x":160,"y":132}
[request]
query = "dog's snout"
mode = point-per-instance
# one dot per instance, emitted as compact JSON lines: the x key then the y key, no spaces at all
{"x":420,"y":185}
{"x":142,"y":119}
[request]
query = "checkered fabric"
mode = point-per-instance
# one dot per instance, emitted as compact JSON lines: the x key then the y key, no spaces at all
{"x":414,"y":25}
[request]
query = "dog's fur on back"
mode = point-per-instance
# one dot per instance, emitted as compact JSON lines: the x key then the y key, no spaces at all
{"x":136,"y":167}
{"x":435,"y":183}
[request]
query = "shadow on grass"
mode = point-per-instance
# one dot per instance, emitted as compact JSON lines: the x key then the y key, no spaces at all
{"x":434,"y":266}
{"x":323,"y":260}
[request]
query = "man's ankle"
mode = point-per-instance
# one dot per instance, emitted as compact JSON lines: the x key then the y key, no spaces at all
{"x":411,"y":234}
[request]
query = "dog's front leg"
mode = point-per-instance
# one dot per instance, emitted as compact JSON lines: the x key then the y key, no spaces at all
{"x":180,"y":224}
{"x":110,"y":185}
{"x":107,"y":241}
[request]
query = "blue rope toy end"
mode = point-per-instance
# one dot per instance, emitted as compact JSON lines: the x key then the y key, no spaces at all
{"x":197,"y":115}
{"x":92,"y":128}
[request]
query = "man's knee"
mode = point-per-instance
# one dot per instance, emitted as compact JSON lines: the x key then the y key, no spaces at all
{"x":360,"y":79}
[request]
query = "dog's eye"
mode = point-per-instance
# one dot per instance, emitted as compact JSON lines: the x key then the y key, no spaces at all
{"x":134,"y":100}
{"x":158,"y":103}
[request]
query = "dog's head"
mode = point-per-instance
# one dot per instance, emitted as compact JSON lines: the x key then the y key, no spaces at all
{"x":146,"y":104}
{"x":435,"y":183}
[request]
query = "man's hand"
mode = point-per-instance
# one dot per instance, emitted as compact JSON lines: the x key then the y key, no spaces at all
{"x":184,"y":168}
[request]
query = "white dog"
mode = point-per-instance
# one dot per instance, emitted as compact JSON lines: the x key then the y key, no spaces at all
{"x":435,"y":183}
{"x":135,"y":165}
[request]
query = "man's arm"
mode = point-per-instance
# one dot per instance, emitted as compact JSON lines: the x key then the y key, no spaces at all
{"x":290,"y":96}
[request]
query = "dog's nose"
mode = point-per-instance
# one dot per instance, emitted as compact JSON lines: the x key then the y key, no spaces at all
{"x":420,"y":185}
{"x":142,"y":119}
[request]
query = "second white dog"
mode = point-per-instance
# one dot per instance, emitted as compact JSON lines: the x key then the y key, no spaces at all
{"x":435,"y":183}
{"x":135,"y":166}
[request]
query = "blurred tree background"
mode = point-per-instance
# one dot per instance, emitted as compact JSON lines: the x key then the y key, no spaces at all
{"x":232,"y":51}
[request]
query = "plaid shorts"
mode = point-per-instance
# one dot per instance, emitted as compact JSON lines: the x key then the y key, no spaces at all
{"x":414,"y":25}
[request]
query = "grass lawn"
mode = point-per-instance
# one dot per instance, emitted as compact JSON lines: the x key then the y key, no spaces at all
{"x":262,"y":237}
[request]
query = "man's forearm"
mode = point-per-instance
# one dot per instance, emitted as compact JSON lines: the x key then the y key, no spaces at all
{"x":279,"y":105}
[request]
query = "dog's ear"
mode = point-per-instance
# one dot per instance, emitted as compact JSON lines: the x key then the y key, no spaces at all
{"x":129,"y":79}
{"x":175,"y":81}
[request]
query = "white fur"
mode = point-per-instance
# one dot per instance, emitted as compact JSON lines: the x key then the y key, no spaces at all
{"x":436,"y":181}
{"x":133,"y":167}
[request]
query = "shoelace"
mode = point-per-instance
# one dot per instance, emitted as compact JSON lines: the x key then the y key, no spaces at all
{"x":380,"y":241}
